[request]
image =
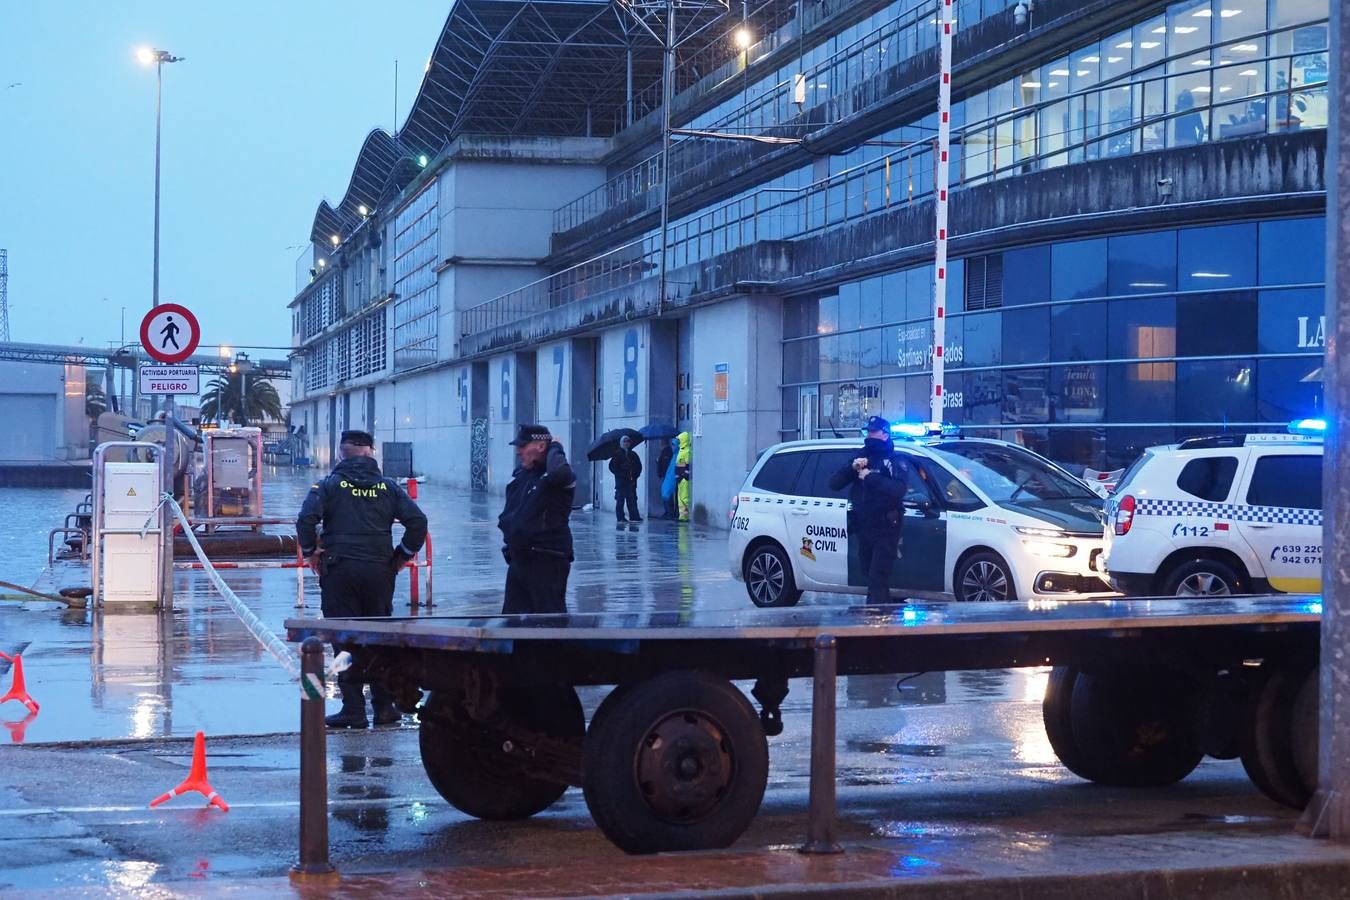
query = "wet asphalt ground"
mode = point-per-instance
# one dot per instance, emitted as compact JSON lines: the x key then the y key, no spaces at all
{"x":943,"y":774}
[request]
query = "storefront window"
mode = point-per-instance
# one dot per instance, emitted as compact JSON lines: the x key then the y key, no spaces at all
{"x":983,"y":339}
{"x":1026,"y":395}
{"x":1078,"y":269}
{"x":984,"y":398}
{"x":919,"y":292}
{"x":1142,"y":263}
{"x":873,"y":306}
{"x":1218,"y":257}
{"x":1142,"y":329}
{"x":1026,"y":335}
{"x":1288,"y":389}
{"x":828,"y":319}
{"x":1078,"y":394}
{"x":850,"y":306}
{"x":1026,"y":275}
{"x":1291,"y":251}
{"x":1292,"y":321}
{"x":1141,"y":392}
{"x":1216,"y":390}
{"x":1078,"y":331}
{"x":1216,"y":324}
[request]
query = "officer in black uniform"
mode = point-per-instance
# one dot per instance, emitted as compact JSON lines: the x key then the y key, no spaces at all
{"x":537,"y":541}
{"x":876,"y":494}
{"x":357,"y":507}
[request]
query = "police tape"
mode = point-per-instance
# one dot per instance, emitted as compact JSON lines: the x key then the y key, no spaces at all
{"x":311,"y":683}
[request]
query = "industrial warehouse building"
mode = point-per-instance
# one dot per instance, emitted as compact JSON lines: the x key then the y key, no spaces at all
{"x":1137,"y":220}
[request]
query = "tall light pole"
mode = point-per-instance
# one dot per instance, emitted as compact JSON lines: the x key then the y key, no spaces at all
{"x":243,"y":365}
{"x":157,"y":58}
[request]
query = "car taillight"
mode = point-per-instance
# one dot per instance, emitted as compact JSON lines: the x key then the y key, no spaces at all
{"x":735,"y":505}
{"x":1124,"y":514}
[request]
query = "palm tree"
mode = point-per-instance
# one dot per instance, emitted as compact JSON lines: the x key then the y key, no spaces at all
{"x":95,"y":401}
{"x":223,"y":395}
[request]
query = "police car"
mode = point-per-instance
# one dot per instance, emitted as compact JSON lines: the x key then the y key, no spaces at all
{"x":1232,"y":514}
{"x":984,"y":520}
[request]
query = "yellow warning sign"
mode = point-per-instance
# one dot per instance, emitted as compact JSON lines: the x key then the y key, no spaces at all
{"x":131,"y":492}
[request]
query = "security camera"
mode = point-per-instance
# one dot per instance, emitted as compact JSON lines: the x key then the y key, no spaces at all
{"x":1021,"y":11}
{"x":1165,"y":188}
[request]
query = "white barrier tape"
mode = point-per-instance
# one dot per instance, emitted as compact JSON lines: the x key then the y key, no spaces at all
{"x":255,"y":626}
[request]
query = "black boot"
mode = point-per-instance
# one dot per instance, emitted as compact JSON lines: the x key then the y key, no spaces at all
{"x":353,"y":712}
{"x":386,"y":713}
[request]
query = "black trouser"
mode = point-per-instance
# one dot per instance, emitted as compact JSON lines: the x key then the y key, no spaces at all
{"x":352,"y":588}
{"x":876,"y":552}
{"x":626,"y":491}
{"x":536,"y":583}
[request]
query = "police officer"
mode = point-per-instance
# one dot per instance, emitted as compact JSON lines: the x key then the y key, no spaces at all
{"x":876,"y":493}
{"x":537,"y":541}
{"x":357,"y":507}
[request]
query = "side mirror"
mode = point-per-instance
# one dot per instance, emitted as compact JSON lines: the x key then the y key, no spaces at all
{"x":928,"y":509}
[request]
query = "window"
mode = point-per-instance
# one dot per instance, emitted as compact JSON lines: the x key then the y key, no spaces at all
{"x":1077,"y":393}
{"x":982,"y":339}
{"x":814,"y":480}
{"x":779,"y":472}
{"x":1141,"y":392}
{"x":1292,"y":482}
{"x":1026,"y":275}
{"x":1291,"y":251}
{"x":850,"y":306}
{"x":872,"y":305}
{"x":1217,"y":257}
{"x":1292,"y":321}
{"x":1216,"y":390}
{"x":1078,"y":331}
{"x":1142,"y":329}
{"x":953,"y":491}
{"x":1209,"y":478}
{"x":1216,"y":324}
{"x":919,"y":292}
{"x":1288,"y":389}
{"x":1026,"y":335}
{"x":984,"y":282}
{"x":1142,"y":263}
{"x":1078,"y":269}
{"x":1026,"y":396}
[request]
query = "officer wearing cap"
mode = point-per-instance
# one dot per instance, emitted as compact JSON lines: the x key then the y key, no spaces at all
{"x":537,"y":541}
{"x":357,"y":507}
{"x":876,"y":493}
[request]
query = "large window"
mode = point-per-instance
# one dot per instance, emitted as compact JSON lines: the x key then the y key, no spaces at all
{"x":1216,"y":324}
{"x":1292,"y":482}
{"x":1142,"y":263}
{"x":416,"y":310}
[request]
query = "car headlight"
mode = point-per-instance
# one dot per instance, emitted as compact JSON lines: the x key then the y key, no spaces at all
{"x":1049,"y":548}
{"x":1038,"y":532}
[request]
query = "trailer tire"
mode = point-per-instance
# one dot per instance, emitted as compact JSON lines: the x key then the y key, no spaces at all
{"x":1057,"y":714}
{"x":676,"y":762}
{"x":461,"y":759}
{"x":1133,"y":728}
{"x":1280,"y":753}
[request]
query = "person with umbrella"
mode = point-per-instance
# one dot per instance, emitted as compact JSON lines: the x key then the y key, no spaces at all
{"x":537,"y":540}
{"x":626,"y":467}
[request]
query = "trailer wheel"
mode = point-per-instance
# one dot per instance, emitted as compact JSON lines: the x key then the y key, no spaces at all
{"x":677,"y":762}
{"x":1132,"y":728}
{"x":1057,"y":714}
{"x":1280,"y":754}
{"x":466,"y":762}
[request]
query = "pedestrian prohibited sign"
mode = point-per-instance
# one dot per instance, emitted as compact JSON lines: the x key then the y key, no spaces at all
{"x":157,"y":379}
{"x":170,"y":333}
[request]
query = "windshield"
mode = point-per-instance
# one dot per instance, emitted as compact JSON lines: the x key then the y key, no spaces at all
{"x":1011,"y":474}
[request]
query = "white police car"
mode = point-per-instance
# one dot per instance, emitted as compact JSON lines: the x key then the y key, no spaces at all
{"x":984,"y":520}
{"x":1231,"y":514}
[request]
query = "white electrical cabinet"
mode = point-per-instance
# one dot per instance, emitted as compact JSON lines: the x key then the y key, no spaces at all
{"x":128,"y":563}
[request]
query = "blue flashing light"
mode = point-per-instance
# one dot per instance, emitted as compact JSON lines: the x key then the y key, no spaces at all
{"x":1316,"y":427}
{"x":924,"y":429}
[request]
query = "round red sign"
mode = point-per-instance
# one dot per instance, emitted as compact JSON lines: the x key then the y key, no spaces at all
{"x":170,"y":333}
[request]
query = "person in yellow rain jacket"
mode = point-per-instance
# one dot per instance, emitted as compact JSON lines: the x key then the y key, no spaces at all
{"x":684,"y":473}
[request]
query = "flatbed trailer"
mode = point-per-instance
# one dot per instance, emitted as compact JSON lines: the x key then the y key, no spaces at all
{"x":676,"y":756}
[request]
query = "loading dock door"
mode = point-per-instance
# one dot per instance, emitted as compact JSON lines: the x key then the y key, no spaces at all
{"x":29,"y":431}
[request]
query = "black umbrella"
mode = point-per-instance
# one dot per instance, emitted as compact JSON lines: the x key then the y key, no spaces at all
{"x":607,"y":444}
{"x":658,"y":431}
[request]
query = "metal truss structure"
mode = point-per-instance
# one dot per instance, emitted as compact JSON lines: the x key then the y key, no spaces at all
{"x":520,"y":68}
{"x":4,"y":294}
{"x":11,"y":351}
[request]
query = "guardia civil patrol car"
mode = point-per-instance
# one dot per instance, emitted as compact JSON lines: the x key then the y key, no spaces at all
{"x":1230,"y":514}
{"x":984,"y":520}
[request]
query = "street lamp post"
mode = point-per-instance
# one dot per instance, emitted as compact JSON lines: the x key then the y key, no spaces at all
{"x":158,"y":58}
{"x":243,"y":365}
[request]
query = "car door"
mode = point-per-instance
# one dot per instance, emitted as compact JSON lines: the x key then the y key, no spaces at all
{"x":920,"y":571}
{"x":1282,"y":521}
{"x":818,"y":523}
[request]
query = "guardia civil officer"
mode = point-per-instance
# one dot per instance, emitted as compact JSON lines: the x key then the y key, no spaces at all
{"x":876,"y":492}
{"x":536,"y":538}
{"x":357,"y":507}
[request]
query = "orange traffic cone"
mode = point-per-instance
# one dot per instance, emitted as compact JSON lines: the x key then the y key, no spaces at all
{"x":17,"y":690}
{"x":196,"y":780}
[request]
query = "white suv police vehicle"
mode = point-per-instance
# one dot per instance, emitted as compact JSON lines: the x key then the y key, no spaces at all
{"x":1232,"y":514}
{"x":984,"y":520}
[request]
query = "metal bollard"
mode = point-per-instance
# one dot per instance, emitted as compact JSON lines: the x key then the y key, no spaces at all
{"x":820,"y":822}
{"x":313,"y":767}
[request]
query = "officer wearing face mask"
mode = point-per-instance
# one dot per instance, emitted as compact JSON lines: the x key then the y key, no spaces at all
{"x":876,"y":492}
{"x":536,"y":536}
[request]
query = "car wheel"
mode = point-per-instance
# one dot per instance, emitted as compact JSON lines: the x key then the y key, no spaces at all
{"x":984,"y":577}
{"x":768,"y":577}
{"x":1203,"y":578}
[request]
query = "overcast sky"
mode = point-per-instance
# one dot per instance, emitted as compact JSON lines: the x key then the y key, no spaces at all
{"x":263,"y":119}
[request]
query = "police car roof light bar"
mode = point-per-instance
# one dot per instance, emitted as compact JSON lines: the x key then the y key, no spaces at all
{"x":1316,"y":427}
{"x":924,"y":429}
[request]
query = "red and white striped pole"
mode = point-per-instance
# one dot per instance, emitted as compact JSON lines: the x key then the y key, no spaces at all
{"x":941,"y":181}
{"x":413,"y":587}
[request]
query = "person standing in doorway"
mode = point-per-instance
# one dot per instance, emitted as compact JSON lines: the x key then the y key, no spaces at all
{"x":684,"y":474}
{"x":626,"y":468}
{"x":667,"y":477}
{"x":536,"y":536}
{"x":876,"y":495}
{"x":356,"y":506}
